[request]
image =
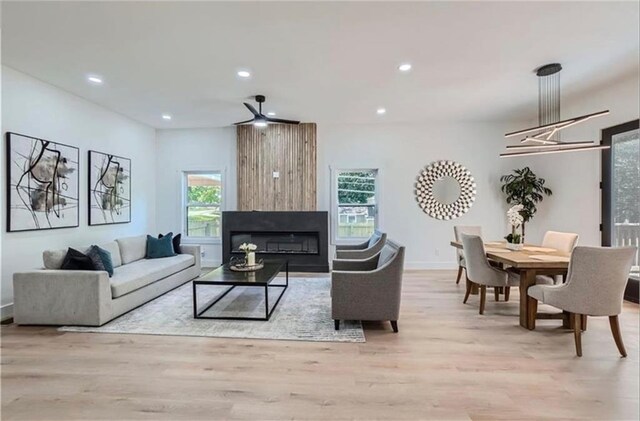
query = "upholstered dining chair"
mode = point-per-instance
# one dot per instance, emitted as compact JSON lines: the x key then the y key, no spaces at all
{"x":480,"y":272}
{"x":561,"y":241}
{"x":458,"y":230}
{"x":595,"y":287}
{"x":365,"y":250}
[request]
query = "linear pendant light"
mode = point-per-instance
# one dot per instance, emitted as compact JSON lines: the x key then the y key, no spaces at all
{"x":545,"y":138}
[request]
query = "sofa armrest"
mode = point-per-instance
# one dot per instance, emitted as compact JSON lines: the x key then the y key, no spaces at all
{"x":194,"y":250}
{"x":60,"y":297}
{"x":356,"y":264}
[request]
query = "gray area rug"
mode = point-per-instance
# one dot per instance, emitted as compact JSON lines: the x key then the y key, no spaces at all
{"x":303,"y":314}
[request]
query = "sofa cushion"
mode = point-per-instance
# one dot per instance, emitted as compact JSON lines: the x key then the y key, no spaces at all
{"x":133,"y":276}
{"x":52,"y":259}
{"x":132,"y":248}
{"x":160,"y":247}
{"x":113,"y":248}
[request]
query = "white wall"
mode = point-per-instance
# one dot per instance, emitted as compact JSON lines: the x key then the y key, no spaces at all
{"x":35,"y":108}
{"x":400,"y":152}
{"x":194,"y":150}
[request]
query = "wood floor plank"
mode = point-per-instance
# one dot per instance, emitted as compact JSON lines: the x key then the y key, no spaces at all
{"x":447,"y":363}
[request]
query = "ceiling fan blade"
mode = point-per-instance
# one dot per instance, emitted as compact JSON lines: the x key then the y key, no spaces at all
{"x":243,"y":122}
{"x":281,"y":121}
{"x":252,"y":109}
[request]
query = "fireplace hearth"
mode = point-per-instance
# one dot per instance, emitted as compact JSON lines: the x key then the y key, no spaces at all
{"x":299,"y":237}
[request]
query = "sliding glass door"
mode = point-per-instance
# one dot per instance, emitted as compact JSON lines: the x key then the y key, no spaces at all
{"x":621,"y":193}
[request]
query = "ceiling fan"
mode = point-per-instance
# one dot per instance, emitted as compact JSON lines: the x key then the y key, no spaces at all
{"x":259,"y":119}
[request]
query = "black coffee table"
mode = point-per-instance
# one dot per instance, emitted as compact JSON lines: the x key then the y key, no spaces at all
{"x":261,"y":278}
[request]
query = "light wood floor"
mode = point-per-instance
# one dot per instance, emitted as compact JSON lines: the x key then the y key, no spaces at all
{"x":447,"y":362}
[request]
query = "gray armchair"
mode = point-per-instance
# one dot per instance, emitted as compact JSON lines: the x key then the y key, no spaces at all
{"x":368,"y":289}
{"x":365,"y":250}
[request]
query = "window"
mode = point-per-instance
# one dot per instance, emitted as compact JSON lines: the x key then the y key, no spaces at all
{"x":357,"y":203}
{"x":202,"y":191}
{"x":621,"y":193}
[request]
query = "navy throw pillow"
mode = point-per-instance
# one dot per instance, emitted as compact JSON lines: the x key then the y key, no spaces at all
{"x":176,"y":242}
{"x":160,"y":247}
{"x":75,"y":260}
{"x":105,"y":257}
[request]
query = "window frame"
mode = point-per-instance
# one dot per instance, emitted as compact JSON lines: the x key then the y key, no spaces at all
{"x":184,"y":184}
{"x":335,"y":205}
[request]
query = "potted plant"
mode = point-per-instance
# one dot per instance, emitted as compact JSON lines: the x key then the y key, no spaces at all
{"x":524,"y":188}
{"x":514,"y":240}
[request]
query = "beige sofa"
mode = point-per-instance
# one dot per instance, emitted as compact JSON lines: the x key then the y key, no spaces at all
{"x":52,"y":296}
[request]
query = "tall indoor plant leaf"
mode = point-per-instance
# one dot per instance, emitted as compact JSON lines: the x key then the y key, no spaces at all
{"x":523,"y":187}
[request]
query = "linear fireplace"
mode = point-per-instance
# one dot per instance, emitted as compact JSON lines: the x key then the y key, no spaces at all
{"x":302,"y":238}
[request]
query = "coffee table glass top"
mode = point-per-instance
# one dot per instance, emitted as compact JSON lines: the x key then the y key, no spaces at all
{"x":227,"y":276}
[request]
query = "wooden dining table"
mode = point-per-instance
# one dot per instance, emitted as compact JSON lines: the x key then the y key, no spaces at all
{"x":528,"y":266}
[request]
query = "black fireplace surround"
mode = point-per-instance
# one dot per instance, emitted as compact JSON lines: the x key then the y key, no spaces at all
{"x":302,"y":238}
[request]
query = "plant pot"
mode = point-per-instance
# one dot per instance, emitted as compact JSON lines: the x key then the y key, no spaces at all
{"x":515,"y":246}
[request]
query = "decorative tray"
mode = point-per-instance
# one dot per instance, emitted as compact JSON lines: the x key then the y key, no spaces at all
{"x":240,"y":266}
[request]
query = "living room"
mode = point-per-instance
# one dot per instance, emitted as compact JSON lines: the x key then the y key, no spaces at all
{"x":322,"y":174}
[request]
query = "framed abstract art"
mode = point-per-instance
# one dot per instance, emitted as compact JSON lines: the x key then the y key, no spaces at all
{"x":42,"y":184}
{"x":109,"y":189}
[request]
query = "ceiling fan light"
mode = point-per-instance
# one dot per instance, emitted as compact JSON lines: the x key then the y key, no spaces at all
{"x":260,"y":124}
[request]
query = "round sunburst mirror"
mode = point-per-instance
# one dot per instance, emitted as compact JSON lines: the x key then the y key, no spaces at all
{"x":445,"y":190}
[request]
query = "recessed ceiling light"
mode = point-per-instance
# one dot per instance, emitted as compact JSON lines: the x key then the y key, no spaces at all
{"x":166,"y":116}
{"x":381,"y":110}
{"x":95,"y":79}
{"x":404,"y":67}
{"x":271,"y":114}
{"x":244,"y":73}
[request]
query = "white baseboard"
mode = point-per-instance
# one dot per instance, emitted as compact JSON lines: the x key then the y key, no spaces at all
{"x":6,"y":311}
{"x":430,"y":265}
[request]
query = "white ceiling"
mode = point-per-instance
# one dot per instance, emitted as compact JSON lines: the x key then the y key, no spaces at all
{"x":322,"y":62}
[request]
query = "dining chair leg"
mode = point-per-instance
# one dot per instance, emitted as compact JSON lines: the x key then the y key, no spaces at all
{"x":466,"y":294}
{"x":459,"y":275}
{"x":583,"y":322}
{"x":615,"y":330}
{"x":507,"y":291}
{"x":496,"y":293}
{"x":577,"y":332}
{"x":483,"y":297}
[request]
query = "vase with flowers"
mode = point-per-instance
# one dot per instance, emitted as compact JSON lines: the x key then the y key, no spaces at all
{"x":514,"y":215}
{"x":249,"y":253}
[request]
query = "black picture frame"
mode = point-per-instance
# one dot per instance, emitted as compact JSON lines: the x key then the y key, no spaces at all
{"x":50,"y":209}
{"x":108,"y":216}
{"x":633,"y":285}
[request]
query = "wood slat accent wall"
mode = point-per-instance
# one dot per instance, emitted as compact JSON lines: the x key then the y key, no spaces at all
{"x":290,"y":150}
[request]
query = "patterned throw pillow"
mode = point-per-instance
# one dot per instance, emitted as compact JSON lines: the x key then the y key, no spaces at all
{"x":105,"y":256}
{"x":95,"y":258}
